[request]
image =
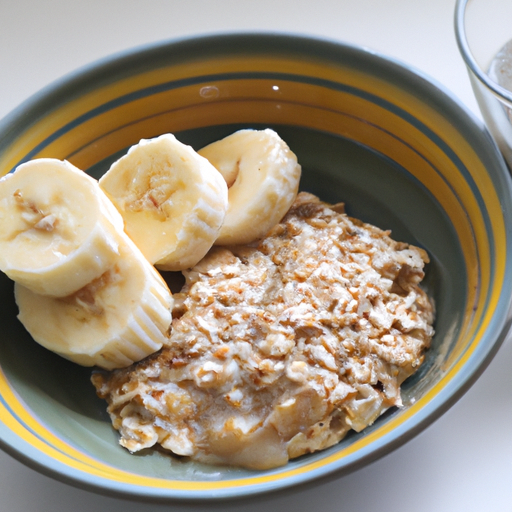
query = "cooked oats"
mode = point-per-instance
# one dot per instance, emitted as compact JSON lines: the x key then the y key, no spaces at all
{"x":280,"y":348}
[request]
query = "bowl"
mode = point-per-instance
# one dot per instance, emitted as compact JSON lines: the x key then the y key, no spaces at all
{"x":401,"y":152}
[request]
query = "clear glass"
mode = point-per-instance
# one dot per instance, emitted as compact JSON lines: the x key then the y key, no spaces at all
{"x":483,"y":29}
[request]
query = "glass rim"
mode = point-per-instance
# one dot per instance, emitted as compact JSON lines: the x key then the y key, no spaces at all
{"x":471,"y":63}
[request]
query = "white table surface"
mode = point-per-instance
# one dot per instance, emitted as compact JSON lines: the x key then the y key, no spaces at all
{"x":463,"y":462}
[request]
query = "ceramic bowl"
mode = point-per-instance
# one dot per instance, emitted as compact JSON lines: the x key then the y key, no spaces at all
{"x":385,"y":139}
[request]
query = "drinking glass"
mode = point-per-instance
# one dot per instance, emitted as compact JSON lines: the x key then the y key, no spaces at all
{"x":483,"y":29}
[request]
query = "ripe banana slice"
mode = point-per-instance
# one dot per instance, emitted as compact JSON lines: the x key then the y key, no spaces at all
{"x":263,"y":176}
{"x":119,"y":318}
{"x":173,"y":201}
{"x":57,"y":227}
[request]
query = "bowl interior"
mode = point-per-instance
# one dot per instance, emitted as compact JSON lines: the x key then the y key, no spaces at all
{"x":398,"y":151}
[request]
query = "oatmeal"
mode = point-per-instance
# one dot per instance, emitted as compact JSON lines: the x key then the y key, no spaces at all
{"x":281,"y":347}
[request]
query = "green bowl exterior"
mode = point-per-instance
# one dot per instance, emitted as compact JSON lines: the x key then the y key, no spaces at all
{"x":381,"y":137}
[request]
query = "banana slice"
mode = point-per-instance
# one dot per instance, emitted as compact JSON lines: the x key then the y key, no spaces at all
{"x":173,"y":201}
{"x":263,"y":176}
{"x":119,"y":318}
{"x":57,"y":227}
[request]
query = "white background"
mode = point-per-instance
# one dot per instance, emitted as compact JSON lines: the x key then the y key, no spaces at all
{"x":463,"y":462}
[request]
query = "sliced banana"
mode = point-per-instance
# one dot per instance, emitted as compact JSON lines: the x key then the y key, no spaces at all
{"x":57,"y":228}
{"x":119,"y":318}
{"x":172,"y":200}
{"x":263,"y":176}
